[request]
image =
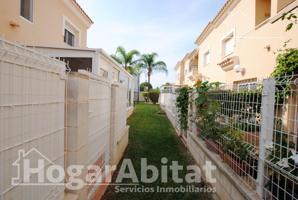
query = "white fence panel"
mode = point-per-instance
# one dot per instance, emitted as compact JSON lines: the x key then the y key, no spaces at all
{"x":99,"y":121}
{"x":88,"y":121}
{"x":119,"y":129}
{"x":32,"y":88}
{"x":168,"y":104}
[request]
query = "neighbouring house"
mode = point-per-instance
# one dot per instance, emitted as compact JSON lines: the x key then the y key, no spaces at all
{"x":238,"y":46}
{"x":179,"y":73}
{"x":61,"y":34}
{"x":187,"y":69}
{"x":60,"y":23}
{"x":96,"y":61}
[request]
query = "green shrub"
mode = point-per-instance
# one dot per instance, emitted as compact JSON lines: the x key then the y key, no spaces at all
{"x":145,"y":84}
{"x":286,"y":66}
{"x":234,"y":142}
{"x":182,"y":107}
{"x":154,"y":95}
{"x":207,"y":111}
{"x":248,"y":127}
{"x":286,"y":63}
{"x":146,"y":96}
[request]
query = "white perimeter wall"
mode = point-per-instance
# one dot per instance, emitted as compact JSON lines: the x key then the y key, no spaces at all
{"x":168,"y":103}
{"x":35,"y":93}
{"x":32,"y":89}
{"x":96,"y":122}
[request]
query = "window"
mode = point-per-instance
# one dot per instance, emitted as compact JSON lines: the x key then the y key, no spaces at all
{"x":27,"y":9}
{"x":71,"y":32}
{"x":263,"y":11}
{"x":281,"y":4}
{"x":248,"y":84}
{"x":228,"y":45}
{"x":69,"y":37}
{"x":207,"y":58}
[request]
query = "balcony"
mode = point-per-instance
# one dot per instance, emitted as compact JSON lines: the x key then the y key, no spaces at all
{"x":228,"y":63}
{"x":193,"y":73}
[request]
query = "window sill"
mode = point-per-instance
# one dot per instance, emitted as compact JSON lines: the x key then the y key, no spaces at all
{"x":69,"y":45}
{"x":280,"y":13}
{"x":226,"y":56}
{"x":27,"y":20}
{"x":262,"y":23}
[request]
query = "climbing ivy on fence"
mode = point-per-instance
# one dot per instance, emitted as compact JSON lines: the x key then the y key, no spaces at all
{"x":286,"y":70}
{"x":182,"y":107}
{"x":209,"y":103}
{"x":207,"y":111}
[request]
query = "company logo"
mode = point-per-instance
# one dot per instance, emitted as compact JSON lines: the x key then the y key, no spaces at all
{"x":34,"y":168}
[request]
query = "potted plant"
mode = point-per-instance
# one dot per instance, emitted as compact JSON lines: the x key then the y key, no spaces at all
{"x":207,"y":113}
{"x":281,"y":186}
{"x":213,"y":137}
{"x":251,"y":131}
{"x":236,"y":152}
{"x":284,"y":150}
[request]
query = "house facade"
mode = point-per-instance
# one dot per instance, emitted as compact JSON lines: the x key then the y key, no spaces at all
{"x":187,"y":69}
{"x":238,"y":46}
{"x":59,"y":23}
{"x":179,"y":68}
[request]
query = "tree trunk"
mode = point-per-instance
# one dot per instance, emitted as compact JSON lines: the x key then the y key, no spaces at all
{"x":149,"y":77}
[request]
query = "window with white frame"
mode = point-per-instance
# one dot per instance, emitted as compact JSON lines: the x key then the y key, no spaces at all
{"x":228,"y":45}
{"x":248,"y":84}
{"x":27,"y":9}
{"x":71,"y":34}
{"x":69,"y":37}
{"x":206,"y":58}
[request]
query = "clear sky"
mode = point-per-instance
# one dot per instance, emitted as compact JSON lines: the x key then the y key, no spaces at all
{"x":167,"y":27}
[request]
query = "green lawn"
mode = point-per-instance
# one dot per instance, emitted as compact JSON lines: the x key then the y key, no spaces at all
{"x":153,"y":137}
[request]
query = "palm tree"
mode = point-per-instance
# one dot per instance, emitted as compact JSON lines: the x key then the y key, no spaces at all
{"x":127,"y":59}
{"x":149,"y":63}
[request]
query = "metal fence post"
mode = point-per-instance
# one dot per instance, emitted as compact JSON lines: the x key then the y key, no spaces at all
{"x":266,"y":135}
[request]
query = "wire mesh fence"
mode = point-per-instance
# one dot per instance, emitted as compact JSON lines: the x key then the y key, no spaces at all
{"x":239,"y":116}
{"x":256,"y":124}
{"x":281,"y":170}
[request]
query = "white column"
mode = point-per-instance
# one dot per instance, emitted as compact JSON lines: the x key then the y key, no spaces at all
{"x":266,"y":135}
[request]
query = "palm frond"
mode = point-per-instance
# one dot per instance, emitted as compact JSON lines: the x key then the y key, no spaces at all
{"x":118,"y":60}
{"x":121,"y":50}
{"x":160,"y":66}
{"x":131,"y":55}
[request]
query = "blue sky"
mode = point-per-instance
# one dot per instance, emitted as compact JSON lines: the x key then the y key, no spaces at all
{"x":168,"y":27}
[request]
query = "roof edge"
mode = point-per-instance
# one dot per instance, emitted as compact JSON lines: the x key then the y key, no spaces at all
{"x":78,"y":6}
{"x":211,"y":24}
